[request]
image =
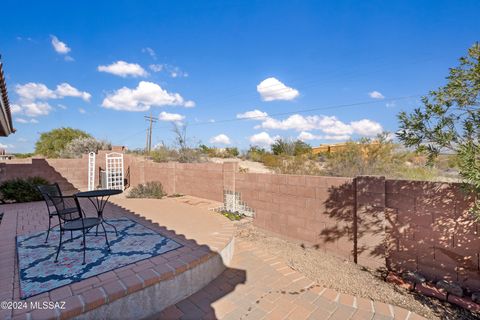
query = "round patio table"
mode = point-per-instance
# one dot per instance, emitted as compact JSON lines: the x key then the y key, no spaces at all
{"x":99,"y":199}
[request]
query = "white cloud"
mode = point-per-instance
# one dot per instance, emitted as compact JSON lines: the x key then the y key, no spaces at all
{"x":263,"y":139}
{"x":272,"y":89}
{"x":15,"y":108}
{"x":59,"y":46}
{"x":22,"y":120}
{"x":35,"y":109}
{"x":143,"y":97}
{"x":170,"y":117}
{"x":124,"y":69}
{"x":189,"y":104}
{"x":66,"y":90}
{"x":376,"y":95}
{"x":328,"y":125}
{"x":156,"y":67}
{"x":366,"y":127}
{"x":82,"y":111}
{"x":305,"y":136}
{"x":150,"y":52}
{"x":33,"y":97}
{"x":253,"y":114}
{"x":173,"y":71}
{"x":5,"y":146}
{"x":38,"y":91}
{"x":221,"y":139}
{"x":32,"y":91}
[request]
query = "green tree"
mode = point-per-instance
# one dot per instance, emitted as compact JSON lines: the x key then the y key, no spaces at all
{"x":53,"y":142}
{"x":450,"y":120}
{"x":290,"y":147}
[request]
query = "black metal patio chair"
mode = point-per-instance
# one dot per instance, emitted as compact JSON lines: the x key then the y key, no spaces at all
{"x":47,"y":191}
{"x":74,"y":220}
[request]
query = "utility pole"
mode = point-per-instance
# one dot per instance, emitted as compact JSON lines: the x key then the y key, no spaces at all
{"x":149,"y":131}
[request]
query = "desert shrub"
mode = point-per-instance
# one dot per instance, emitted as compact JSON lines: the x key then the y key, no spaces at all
{"x":232,"y":152}
{"x":218,"y":152}
{"x":164,"y":153}
{"x":271,"y":161}
{"x":51,"y":143}
{"x":79,"y":146}
{"x":151,"y":189}
{"x":301,"y":165}
{"x":290,"y":147}
{"x":23,"y":155}
{"x":22,"y":190}
{"x":377,"y":157}
{"x":255,"y":154}
{"x":364,"y":157}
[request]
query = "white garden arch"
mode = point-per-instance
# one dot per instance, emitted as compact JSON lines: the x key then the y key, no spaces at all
{"x":114,"y":170}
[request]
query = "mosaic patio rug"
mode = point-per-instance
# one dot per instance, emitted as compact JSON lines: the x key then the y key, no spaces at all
{"x":39,"y":273}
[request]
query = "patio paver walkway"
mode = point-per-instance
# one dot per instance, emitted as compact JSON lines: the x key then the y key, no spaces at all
{"x":273,"y":290}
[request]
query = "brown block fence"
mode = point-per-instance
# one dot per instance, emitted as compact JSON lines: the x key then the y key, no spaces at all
{"x":376,"y":222}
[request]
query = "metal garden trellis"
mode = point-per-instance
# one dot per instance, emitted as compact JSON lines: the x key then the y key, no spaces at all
{"x":91,"y":171}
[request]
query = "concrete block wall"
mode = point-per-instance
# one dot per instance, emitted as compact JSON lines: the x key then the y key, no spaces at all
{"x":430,"y":230}
{"x":403,"y":225}
{"x":317,"y":210}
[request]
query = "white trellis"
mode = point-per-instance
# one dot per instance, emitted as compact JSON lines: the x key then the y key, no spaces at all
{"x":114,"y":172}
{"x":91,"y":171}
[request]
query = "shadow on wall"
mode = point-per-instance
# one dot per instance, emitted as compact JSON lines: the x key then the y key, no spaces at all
{"x":430,"y":230}
{"x":358,"y":210}
{"x":40,"y":168}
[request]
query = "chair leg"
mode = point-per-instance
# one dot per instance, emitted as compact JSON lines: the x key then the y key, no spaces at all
{"x":71,"y":235}
{"x":96,"y":231}
{"x":84,"y":246}
{"x":59,"y":247}
{"x":49,"y":226}
{"x":106,"y":238}
{"x":111,"y":225}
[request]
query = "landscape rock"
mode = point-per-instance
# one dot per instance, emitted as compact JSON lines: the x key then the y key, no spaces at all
{"x":450,"y":287}
{"x":476,"y":297}
{"x":414,"y":277}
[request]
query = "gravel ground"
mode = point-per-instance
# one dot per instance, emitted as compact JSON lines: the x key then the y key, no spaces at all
{"x":347,"y":277}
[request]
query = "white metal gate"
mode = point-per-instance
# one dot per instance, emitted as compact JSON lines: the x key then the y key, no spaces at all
{"x":91,"y":171}
{"x":114,"y":172}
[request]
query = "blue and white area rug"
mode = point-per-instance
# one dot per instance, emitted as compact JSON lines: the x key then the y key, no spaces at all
{"x":39,"y":273}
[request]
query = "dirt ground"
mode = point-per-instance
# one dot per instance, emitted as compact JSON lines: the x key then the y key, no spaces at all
{"x":347,"y":277}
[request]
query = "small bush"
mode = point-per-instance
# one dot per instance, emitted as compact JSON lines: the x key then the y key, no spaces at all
{"x":152,"y":190}
{"x":290,"y":147}
{"x":22,"y":190}
{"x":79,"y":146}
{"x":233,"y":216}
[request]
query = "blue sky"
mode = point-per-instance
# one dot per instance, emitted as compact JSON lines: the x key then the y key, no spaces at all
{"x":101,"y":66}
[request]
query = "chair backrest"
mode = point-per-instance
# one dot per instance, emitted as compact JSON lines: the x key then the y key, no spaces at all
{"x":67,"y":207}
{"x":49,"y":190}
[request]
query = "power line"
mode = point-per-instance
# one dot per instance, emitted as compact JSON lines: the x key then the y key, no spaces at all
{"x":338,"y":106}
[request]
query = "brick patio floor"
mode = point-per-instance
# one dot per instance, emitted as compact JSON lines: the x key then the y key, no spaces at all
{"x":272,"y":290}
{"x":256,"y":285}
{"x":91,"y":293}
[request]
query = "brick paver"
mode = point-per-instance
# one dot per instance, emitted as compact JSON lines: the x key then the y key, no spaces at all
{"x":256,"y":285}
{"x":266,"y":288}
